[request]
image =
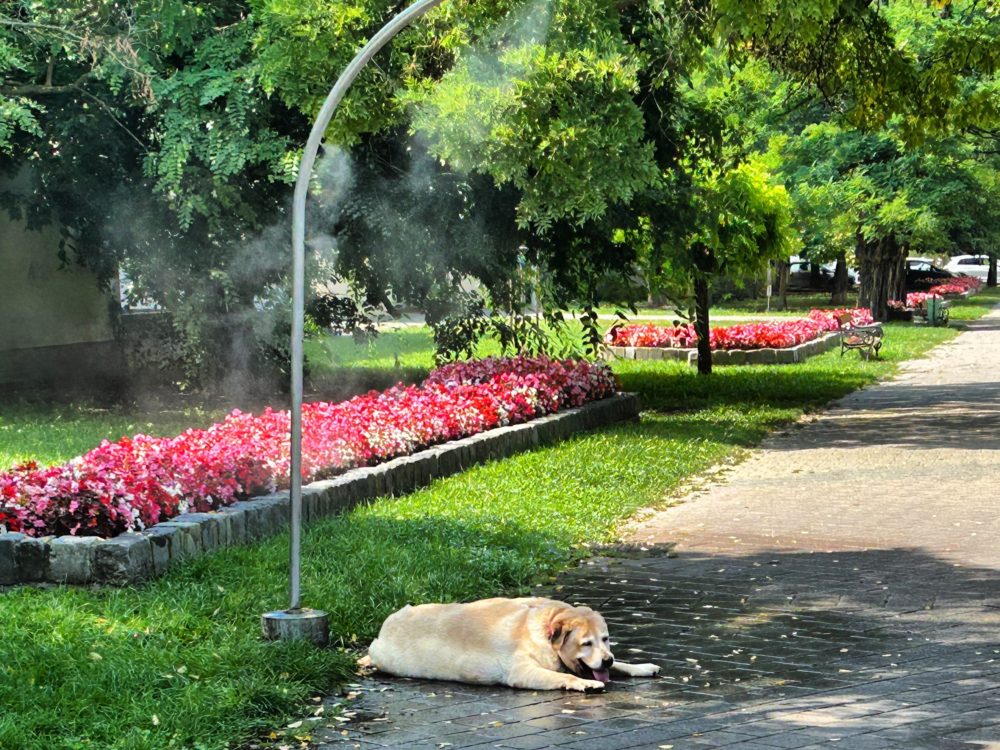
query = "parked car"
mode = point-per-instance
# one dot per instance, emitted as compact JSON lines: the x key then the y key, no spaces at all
{"x":801,"y":278}
{"x":803,"y":275}
{"x":852,"y":275}
{"x":922,"y":274}
{"x":970,"y":265}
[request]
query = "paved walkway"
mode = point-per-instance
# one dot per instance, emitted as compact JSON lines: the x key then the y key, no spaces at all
{"x":839,"y":588}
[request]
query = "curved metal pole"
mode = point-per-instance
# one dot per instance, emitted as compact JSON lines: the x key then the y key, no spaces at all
{"x":326,"y":113}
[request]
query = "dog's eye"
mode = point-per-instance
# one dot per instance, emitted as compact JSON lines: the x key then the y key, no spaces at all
{"x":586,"y":643}
{"x":606,"y":638}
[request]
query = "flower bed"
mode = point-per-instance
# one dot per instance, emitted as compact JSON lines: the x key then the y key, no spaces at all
{"x":957,"y":285}
{"x":136,"y":482}
{"x":776,"y":334}
{"x":918,"y":300}
{"x":914,"y":300}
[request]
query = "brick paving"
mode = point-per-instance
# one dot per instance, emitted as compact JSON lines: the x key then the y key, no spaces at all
{"x":839,"y":588}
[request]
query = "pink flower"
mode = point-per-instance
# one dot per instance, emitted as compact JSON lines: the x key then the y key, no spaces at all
{"x":775,"y":334}
{"x":136,"y":482}
{"x":957,"y":285}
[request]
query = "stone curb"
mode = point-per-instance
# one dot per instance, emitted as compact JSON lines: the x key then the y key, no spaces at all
{"x":792,"y":354}
{"x":132,"y":558}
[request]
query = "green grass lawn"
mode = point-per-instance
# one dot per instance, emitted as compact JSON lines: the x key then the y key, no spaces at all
{"x":179,"y":662}
{"x":976,"y":306}
{"x":48,"y":433}
{"x":798,"y":303}
{"x":88,"y":668}
{"x":340,"y":367}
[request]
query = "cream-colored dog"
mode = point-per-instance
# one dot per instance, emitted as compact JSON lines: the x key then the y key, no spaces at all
{"x":533,"y":643}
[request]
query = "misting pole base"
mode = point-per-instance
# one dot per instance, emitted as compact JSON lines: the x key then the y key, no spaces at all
{"x":297,"y":624}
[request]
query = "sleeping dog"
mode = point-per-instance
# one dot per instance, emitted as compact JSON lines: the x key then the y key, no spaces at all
{"x":533,"y":643}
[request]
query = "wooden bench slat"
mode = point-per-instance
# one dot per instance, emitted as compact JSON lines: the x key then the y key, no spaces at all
{"x":863,"y":338}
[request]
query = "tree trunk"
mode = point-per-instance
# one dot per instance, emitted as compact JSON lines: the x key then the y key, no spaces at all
{"x":782,"y":268}
{"x":897,"y":275}
{"x":991,"y":275}
{"x":840,"y":281}
{"x":882,"y":266}
{"x":815,"y":278}
{"x":654,"y":297}
{"x":702,"y":300}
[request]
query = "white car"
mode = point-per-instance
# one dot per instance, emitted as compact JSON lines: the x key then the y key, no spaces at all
{"x":970,"y":265}
{"x":852,"y":275}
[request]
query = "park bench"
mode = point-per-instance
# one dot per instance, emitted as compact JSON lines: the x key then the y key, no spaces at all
{"x":866,"y":339}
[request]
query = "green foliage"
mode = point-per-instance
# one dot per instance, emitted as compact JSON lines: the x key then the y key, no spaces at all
{"x":153,"y":146}
{"x":933,"y":65}
{"x":214,"y":131}
{"x":549,"y":334}
{"x":843,"y":49}
{"x":17,"y":114}
{"x":934,"y":198}
{"x":459,"y":336}
{"x":303,"y":46}
{"x":410,"y":229}
{"x":544,"y":116}
{"x":743,"y":217}
{"x":954,"y":48}
{"x":586,"y":138}
{"x":735,"y":215}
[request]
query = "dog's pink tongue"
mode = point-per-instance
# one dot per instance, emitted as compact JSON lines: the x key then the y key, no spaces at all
{"x":602,"y":675}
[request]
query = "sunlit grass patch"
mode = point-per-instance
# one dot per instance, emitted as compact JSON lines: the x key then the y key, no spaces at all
{"x":51,"y":432}
{"x":976,"y":306}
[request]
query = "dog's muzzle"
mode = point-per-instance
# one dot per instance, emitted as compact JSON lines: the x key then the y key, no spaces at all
{"x":601,"y":674}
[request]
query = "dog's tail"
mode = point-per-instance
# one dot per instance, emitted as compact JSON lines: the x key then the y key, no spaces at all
{"x":373,"y":660}
{"x":367,"y":661}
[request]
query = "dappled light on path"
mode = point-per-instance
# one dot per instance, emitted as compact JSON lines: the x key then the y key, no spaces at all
{"x":841,"y":585}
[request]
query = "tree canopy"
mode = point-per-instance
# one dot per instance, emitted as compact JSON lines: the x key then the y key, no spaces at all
{"x":581,"y":137}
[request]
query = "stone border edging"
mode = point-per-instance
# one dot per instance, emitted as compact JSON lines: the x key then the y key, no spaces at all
{"x":960,"y":295}
{"x":135,"y":557}
{"x":787,"y":356}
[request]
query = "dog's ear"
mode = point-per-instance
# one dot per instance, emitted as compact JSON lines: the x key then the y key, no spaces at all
{"x":559,"y":627}
{"x":554,"y":632}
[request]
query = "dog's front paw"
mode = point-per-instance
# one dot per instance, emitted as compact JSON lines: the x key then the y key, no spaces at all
{"x":646,"y":670}
{"x":586,"y":686}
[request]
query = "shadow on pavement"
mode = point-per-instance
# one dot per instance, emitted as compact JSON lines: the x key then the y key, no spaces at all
{"x":914,"y":416}
{"x":871,"y":649}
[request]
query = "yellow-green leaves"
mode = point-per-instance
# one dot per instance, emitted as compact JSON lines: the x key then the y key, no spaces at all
{"x":744,"y":217}
{"x":556,"y":119}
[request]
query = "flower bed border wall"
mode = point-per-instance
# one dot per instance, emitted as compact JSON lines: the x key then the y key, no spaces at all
{"x":960,"y":295}
{"x":135,"y":557}
{"x":786,"y":356}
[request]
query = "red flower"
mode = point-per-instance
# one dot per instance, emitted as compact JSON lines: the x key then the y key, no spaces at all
{"x":957,"y":285}
{"x":136,"y":482}
{"x":774,"y":334}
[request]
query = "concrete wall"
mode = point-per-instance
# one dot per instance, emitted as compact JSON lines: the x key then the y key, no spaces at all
{"x":41,"y":304}
{"x":55,"y":324}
